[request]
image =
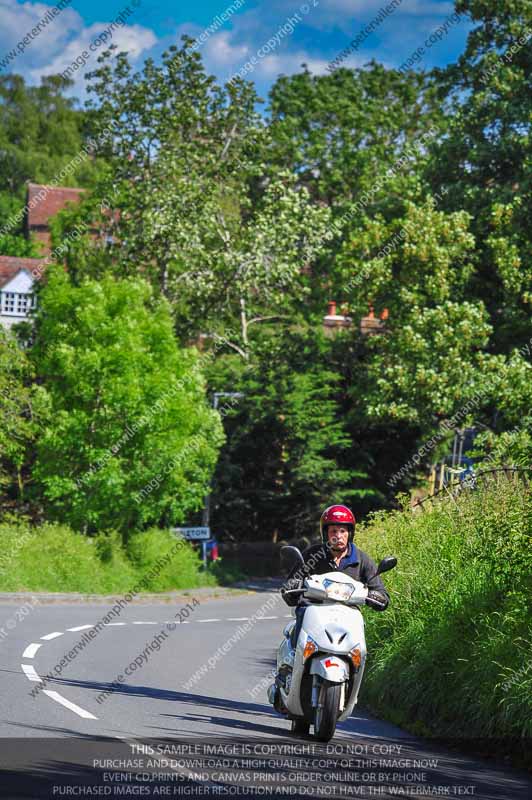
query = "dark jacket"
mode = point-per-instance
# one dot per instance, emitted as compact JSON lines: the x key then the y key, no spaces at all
{"x":318,"y":560}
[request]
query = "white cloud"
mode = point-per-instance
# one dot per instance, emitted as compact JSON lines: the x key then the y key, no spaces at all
{"x":221,"y":53}
{"x":426,"y":8}
{"x":365,"y":8}
{"x":227,"y":51}
{"x":271,"y":66}
{"x":224,"y":57}
{"x":63,"y":39}
{"x":132,"y":38}
{"x":346,"y":15}
{"x":17,"y":20}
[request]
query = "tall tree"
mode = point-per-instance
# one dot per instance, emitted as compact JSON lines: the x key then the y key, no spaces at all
{"x":339,"y":132}
{"x":41,"y":134}
{"x":195,"y":213}
{"x":130,"y":440}
{"x":484,"y":160}
{"x":21,"y":410}
{"x":288,"y":453}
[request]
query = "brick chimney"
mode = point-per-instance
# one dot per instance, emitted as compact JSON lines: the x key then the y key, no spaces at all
{"x":333,"y":321}
{"x":371,"y":325}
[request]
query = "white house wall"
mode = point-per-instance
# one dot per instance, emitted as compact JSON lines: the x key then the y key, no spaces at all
{"x":22,"y":283}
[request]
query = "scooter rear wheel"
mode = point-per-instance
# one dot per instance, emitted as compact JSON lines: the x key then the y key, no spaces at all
{"x":300,"y":727}
{"x":326,"y":714}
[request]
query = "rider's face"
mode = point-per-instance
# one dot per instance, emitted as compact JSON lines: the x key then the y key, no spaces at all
{"x":338,"y":537}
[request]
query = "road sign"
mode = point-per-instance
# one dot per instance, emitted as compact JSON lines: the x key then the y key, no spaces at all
{"x":196,"y":534}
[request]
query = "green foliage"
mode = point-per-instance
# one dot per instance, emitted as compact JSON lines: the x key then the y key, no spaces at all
{"x":424,"y":365}
{"x":16,"y":245}
{"x":182,"y":570}
{"x":484,"y":161}
{"x":512,"y":447}
{"x":408,"y":192}
{"x":53,"y":558}
{"x":41,"y":132}
{"x":197,"y":215}
{"x":130,"y":439}
{"x":287,"y":451}
{"x":339,"y":132}
{"x":21,"y":410}
{"x":457,"y":633}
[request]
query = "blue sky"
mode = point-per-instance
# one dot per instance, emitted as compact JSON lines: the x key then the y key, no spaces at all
{"x":320,"y":29}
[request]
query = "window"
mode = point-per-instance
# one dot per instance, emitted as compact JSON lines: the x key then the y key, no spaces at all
{"x":17,"y":304}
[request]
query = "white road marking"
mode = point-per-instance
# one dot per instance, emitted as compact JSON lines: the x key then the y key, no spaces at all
{"x":30,"y":673}
{"x":80,"y":628}
{"x":30,"y":650}
{"x":67,"y":704}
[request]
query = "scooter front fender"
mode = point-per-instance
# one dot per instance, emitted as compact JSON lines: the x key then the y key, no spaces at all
{"x":331,"y":668}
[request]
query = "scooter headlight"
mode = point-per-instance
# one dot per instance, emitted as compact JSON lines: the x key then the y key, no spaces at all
{"x":337,"y":590}
{"x":310,"y":648}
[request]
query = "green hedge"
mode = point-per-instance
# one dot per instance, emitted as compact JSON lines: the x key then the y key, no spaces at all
{"x":52,"y":558}
{"x":452,"y":655}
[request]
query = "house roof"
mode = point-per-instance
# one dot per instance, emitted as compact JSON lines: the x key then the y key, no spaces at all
{"x":54,"y":200}
{"x":11,"y":266}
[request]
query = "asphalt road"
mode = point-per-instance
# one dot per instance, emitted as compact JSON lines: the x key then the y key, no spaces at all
{"x":148,"y":691}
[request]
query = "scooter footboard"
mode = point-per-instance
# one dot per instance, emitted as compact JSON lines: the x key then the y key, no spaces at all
{"x":331,"y":668}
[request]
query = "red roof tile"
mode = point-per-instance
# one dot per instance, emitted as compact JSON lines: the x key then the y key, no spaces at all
{"x":10,"y":265}
{"x":52,"y":200}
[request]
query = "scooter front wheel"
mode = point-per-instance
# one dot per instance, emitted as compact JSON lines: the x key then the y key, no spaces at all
{"x":327,"y":712}
{"x":300,"y":727}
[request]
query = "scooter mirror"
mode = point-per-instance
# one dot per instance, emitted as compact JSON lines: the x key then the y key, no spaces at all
{"x":387,"y":563}
{"x":290,"y":556}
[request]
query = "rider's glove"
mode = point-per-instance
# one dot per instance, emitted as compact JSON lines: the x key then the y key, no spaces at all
{"x":291,"y":583}
{"x":376,"y":600}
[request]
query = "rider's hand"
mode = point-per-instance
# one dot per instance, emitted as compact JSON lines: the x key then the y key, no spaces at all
{"x":376,"y":600}
{"x":291,"y":583}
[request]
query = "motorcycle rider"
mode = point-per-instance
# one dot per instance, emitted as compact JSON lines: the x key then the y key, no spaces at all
{"x":337,"y":553}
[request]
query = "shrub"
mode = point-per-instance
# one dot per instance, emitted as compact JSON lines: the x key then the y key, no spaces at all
{"x":182,"y":570}
{"x":452,"y":655}
{"x":53,"y":558}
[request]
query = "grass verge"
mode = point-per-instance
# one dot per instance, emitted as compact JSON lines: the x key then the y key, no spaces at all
{"x":451,"y":658}
{"x":52,"y":558}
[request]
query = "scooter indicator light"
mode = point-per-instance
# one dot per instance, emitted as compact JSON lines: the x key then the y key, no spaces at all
{"x":310,"y":648}
{"x":356,"y":657}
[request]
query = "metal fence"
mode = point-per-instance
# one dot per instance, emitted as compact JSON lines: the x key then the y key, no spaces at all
{"x":473,"y":481}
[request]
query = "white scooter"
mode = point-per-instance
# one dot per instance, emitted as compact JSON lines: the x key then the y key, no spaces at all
{"x":317,"y":683}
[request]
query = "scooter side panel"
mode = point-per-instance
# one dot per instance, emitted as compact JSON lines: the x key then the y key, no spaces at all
{"x":353,"y":697}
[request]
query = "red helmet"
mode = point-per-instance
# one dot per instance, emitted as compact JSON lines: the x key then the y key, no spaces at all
{"x":337,"y":515}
